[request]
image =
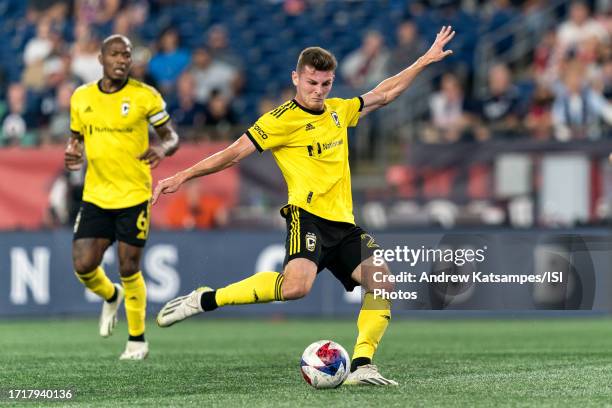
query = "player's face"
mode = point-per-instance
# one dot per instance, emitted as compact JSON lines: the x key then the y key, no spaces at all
{"x":312,"y":87}
{"x":116,"y":60}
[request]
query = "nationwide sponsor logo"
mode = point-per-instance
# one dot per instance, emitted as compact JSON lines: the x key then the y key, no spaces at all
{"x":106,"y":129}
{"x":333,"y":144}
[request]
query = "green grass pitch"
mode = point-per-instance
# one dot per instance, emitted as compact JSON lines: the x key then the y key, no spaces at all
{"x":254,"y":363}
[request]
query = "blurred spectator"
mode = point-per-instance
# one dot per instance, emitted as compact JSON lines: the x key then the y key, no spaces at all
{"x":580,"y":27}
{"x":366,"y":66}
{"x":578,"y":110}
{"x":98,"y":12}
{"x":218,"y":47}
{"x":140,"y":66}
{"x":502,"y":13}
{"x":85,"y":65}
{"x":219,"y":112}
{"x":47,"y":44}
{"x":170,"y":61}
{"x":39,"y":47}
{"x":127,"y":22}
{"x":211,"y":74}
{"x":408,"y":49}
{"x":65,"y":198}
{"x":447,"y":110}
{"x":184,"y":109}
{"x":539,"y":115}
{"x":499,"y":110}
{"x":544,"y":58}
{"x":18,"y":120}
{"x":191,"y":208}
{"x":59,"y":122}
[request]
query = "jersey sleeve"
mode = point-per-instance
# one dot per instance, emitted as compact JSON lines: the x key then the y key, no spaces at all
{"x":353,"y":110}
{"x":76,"y":125}
{"x":267,"y":132}
{"x":156,"y":110}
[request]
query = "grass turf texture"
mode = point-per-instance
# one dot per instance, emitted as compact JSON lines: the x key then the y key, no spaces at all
{"x":255,"y":363}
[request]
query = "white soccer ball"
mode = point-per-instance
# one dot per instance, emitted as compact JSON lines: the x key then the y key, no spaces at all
{"x":325,"y":364}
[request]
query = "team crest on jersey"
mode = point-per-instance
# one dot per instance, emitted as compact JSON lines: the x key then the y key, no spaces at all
{"x":336,"y":119}
{"x":125,"y":108}
{"x":311,"y":241}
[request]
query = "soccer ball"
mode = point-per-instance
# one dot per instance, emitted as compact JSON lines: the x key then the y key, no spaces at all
{"x":325,"y":364}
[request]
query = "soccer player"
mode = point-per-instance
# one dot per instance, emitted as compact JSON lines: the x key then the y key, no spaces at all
{"x":109,"y":122}
{"x":308,"y":138}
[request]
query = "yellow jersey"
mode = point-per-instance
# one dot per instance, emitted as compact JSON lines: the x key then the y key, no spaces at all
{"x":311,"y":150}
{"x":115,"y":127}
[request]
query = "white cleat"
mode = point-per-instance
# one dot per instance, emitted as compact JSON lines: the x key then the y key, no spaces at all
{"x":368,"y":375}
{"x":135,"y":350}
{"x":108,"y":317}
{"x":181,"y":308}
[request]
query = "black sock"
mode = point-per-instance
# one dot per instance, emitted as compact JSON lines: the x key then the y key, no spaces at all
{"x":137,"y":338}
{"x":208,"y":301}
{"x":114,"y":297}
{"x":359,"y":361}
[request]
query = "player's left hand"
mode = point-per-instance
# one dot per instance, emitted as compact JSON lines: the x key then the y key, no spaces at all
{"x":437,"y":52}
{"x":166,"y":186}
{"x":153,"y":156}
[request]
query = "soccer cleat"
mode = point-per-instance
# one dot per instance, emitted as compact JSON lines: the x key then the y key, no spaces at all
{"x":135,"y":350}
{"x":108,"y":317}
{"x":181,"y":308}
{"x":368,"y":375}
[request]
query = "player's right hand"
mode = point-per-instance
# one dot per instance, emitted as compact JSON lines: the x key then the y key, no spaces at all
{"x":166,"y":186}
{"x":73,"y":155}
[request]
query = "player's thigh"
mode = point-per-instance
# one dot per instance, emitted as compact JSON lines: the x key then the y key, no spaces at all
{"x":372,"y":276}
{"x":87,"y":253}
{"x":299,"y":275}
{"x":304,"y":239}
{"x":132,"y":224}
{"x":129,"y":258}
{"x":94,"y":231}
{"x":351,"y":260}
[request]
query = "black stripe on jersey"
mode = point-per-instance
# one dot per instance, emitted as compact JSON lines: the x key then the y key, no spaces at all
{"x":250,"y":136}
{"x":281,"y":109}
{"x":284,"y":109}
{"x":360,"y":103}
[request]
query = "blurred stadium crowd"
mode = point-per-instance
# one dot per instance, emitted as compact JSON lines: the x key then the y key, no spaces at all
{"x":531,"y":70}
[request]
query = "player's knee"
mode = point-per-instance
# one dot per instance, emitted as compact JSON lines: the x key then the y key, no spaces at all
{"x":296,"y":290}
{"x":128,"y":268}
{"x":85,"y":264}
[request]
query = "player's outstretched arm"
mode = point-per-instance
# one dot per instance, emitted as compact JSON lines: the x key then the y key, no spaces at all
{"x":73,"y":155}
{"x":389,"y":89}
{"x":169,"y":144}
{"x":227,"y":157}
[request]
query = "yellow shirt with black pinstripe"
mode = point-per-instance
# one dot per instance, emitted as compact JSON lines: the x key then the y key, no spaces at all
{"x":116,"y":131}
{"x":311,"y":149}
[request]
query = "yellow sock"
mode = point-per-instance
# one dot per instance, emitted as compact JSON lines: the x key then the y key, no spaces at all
{"x":372,"y":322}
{"x":98,"y":283}
{"x":262,"y":287}
{"x":135,"y":303}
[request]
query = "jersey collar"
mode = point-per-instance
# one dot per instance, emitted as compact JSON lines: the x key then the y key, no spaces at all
{"x":108,"y":93}
{"x":305,"y":109}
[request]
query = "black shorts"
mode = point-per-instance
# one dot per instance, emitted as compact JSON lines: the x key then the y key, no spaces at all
{"x":129,"y":225}
{"x":337,"y":246}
